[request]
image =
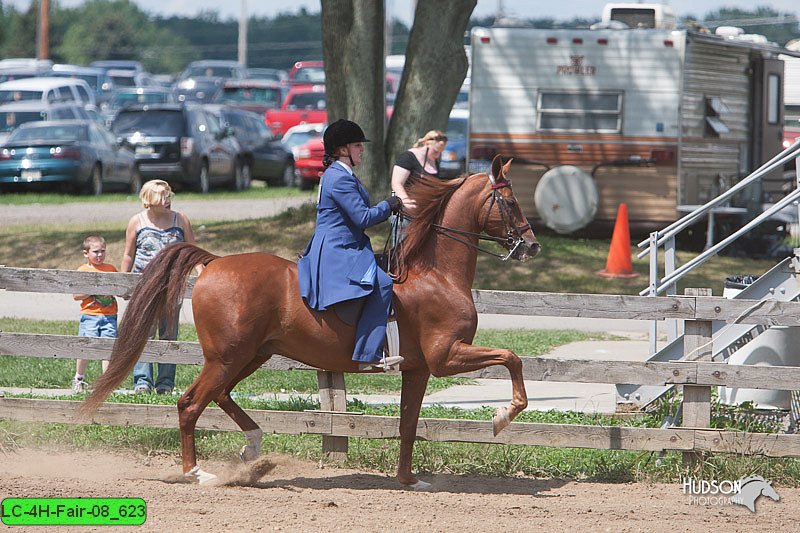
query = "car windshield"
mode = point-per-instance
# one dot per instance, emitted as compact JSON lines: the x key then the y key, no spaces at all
{"x":123,"y":81}
{"x":91,"y":79}
{"x":307,"y":101}
{"x":8,"y":95}
{"x":310,"y":75}
{"x":210,"y":72}
{"x":162,"y":122}
{"x":457,"y":129}
{"x":256,"y":95}
{"x":49,"y":133}
{"x":296,"y":139}
{"x":123,"y":99}
{"x":11,"y":119}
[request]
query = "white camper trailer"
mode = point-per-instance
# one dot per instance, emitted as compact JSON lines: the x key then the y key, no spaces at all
{"x":661,"y":119}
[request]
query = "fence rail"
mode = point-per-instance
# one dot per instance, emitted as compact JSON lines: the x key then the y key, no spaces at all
{"x":697,"y":376}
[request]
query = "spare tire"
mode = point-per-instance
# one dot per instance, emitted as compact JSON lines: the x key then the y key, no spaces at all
{"x":566,"y":199}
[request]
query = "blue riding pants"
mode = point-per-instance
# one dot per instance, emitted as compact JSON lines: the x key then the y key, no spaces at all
{"x":371,"y":328}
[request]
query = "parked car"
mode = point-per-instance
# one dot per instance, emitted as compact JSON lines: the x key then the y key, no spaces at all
{"x":119,"y":64}
{"x":79,"y":154}
{"x":307,"y":73}
{"x":303,"y":104}
{"x":21,"y":67}
{"x":14,"y":114}
{"x":263,"y":155}
{"x":454,"y":156}
{"x":308,"y":163}
{"x":301,"y":134}
{"x":130,"y":78}
{"x":252,"y":95}
{"x":132,"y":96}
{"x":97,"y":79}
{"x":46,"y":90}
{"x":272,"y":74}
{"x":201,"y":80}
{"x":183,"y":144}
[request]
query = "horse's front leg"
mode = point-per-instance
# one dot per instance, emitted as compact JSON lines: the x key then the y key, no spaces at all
{"x":465,"y":357}
{"x":414,"y":384}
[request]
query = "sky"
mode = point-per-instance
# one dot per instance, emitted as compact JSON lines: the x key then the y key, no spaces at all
{"x":403,"y":9}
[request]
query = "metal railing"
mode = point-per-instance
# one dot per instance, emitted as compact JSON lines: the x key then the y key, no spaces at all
{"x":666,"y":237}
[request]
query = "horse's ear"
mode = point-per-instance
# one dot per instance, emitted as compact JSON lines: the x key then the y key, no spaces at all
{"x":506,"y":167}
{"x":497,"y":169}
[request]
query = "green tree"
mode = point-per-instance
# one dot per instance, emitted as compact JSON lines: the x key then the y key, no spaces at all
{"x":435,"y":67}
{"x":118,"y":29}
{"x":20,"y":32}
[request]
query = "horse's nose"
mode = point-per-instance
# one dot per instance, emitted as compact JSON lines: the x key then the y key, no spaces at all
{"x":535,"y":248}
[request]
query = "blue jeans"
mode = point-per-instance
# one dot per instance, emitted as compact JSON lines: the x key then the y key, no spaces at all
{"x":143,"y":372}
{"x":98,"y":326}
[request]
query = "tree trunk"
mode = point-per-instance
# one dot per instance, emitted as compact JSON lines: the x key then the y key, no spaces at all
{"x":435,"y":68}
{"x":436,"y":65}
{"x":352,"y":43}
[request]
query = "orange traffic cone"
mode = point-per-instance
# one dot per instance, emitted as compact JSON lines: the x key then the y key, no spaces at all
{"x":618,"y":264}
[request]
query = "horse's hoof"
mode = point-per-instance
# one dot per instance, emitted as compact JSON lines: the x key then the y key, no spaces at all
{"x":421,"y":486}
{"x":500,"y":420}
{"x":248,"y":453}
{"x":201,"y":476}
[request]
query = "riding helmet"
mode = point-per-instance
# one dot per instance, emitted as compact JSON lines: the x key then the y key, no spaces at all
{"x":341,"y":133}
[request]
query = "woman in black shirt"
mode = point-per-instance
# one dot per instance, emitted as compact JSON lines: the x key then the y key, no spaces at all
{"x":423,"y":158}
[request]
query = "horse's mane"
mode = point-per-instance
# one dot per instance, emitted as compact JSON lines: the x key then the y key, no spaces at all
{"x":431,"y":195}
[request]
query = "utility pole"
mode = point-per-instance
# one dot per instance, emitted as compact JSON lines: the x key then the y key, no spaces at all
{"x":243,"y":34}
{"x":43,"y":40}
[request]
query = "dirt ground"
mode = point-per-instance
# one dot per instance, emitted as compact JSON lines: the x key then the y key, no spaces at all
{"x":280,"y":493}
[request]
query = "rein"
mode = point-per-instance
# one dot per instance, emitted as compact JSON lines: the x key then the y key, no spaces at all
{"x":512,"y":240}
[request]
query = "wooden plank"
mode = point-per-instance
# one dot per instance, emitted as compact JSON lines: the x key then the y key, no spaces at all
{"x":744,"y":443}
{"x":60,"y":281}
{"x":534,"y":368}
{"x":591,"y":371}
{"x":765,"y":312}
{"x":332,"y":397}
{"x":583,"y":305}
{"x":350,"y":425}
{"x":697,"y":346}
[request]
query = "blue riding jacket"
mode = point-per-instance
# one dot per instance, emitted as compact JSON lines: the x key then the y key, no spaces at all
{"x":338,"y":264}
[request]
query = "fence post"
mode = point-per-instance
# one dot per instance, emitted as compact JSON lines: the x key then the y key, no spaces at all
{"x":697,"y":345}
{"x":332,"y":397}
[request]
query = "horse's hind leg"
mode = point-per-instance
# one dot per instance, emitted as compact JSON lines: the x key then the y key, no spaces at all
{"x":414,"y":384}
{"x":465,"y":357}
{"x":213,"y":380}
{"x":251,"y":431}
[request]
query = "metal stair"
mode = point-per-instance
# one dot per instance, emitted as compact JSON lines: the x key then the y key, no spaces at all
{"x":780,"y":283}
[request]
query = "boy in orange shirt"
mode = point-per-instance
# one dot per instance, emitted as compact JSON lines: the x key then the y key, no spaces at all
{"x":98,"y":313}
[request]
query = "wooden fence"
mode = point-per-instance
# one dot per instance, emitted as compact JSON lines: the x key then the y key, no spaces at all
{"x":335,"y":425}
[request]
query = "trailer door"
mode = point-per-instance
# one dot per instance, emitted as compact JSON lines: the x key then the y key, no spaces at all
{"x":768,"y":119}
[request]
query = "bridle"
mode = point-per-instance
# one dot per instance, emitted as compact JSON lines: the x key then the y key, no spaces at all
{"x":513,"y":239}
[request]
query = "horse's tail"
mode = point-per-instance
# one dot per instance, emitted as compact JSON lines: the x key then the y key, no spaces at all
{"x":163,"y":283}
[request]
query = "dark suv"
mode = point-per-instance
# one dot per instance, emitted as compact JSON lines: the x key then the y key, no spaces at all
{"x":183,"y":144}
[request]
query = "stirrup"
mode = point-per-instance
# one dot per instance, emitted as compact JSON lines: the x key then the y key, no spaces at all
{"x":386,"y":364}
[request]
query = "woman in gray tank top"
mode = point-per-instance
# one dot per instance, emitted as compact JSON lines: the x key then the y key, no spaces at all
{"x":149,"y":232}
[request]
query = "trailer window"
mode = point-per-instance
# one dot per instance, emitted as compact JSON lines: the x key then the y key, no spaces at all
{"x":580,"y":112}
{"x":773,"y":98}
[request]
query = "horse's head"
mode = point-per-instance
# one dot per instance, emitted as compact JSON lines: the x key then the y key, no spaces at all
{"x":503,"y":218}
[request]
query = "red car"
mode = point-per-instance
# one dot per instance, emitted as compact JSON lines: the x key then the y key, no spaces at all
{"x":308,"y":163}
{"x":304,"y":104}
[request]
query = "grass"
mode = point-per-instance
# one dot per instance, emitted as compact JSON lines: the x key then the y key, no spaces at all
{"x":56,"y":373}
{"x":258,"y":191}
{"x":565,"y":264}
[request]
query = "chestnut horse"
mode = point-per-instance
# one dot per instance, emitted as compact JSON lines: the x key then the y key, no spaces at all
{"x":248,"y":307}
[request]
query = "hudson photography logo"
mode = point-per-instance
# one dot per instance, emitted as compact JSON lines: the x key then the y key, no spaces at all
{"x":744,"y":491}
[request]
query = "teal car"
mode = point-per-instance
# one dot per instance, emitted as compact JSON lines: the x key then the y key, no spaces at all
{"x":76,"y":155}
